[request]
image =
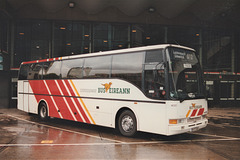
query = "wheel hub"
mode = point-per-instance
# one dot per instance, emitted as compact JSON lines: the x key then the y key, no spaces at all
{"x":127,"y":123}
{"x":43,"y":112}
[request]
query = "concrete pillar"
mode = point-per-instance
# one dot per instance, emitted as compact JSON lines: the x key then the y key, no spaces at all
{"x":165,"y":34}
{"x":12,"y":38}
{"x":200,"y":47}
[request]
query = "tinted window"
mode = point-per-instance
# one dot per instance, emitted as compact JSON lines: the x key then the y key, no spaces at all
{"x":128,"y":67}
{"x":35,"y":71}
{"x":97,"y":67}
{"x":72,"y":68}
{"x":154,"y":56}
{"x":23,"y":73}
{"x":51,"y":70}
{"x":30,"y":71}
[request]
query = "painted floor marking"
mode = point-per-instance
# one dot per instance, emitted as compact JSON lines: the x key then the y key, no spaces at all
{"x":210,"y":135}
{"x":84,"y":134}
{"x":46,"y":141}
{"x":127,"y":143}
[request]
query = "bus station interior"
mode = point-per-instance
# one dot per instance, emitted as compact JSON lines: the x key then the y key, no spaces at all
{"x":40,"y":29}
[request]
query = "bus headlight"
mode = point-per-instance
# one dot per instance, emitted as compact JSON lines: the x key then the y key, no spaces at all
{"x":181,"y":121}
{"x":176,"y":121}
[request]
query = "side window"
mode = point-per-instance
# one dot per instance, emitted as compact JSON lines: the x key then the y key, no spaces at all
{"x":97,"y":67}
{"x":23,"y":73}
{"x":72,"y":69}
{"x":51,"y":70}
{"x":128,"y":67}
{"x":35,"y":71}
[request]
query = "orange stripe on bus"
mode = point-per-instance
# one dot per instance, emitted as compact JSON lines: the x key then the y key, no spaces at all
{"x":188,"y":113}
{"x":82,"y":102}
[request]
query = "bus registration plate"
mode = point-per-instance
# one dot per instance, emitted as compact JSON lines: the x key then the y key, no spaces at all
{"x":194,"y":129}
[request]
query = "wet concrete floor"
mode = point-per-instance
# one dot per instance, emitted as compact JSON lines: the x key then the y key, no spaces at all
{"x":25,"y":136}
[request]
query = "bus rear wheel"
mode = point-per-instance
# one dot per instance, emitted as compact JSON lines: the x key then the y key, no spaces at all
{"x":43,"y":111}
{"x":127,"y":123}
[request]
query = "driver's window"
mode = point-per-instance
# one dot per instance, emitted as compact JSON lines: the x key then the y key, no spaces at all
{"x":154,"y":79}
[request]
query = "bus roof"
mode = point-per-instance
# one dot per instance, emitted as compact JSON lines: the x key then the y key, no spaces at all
{"x":118,"y":51}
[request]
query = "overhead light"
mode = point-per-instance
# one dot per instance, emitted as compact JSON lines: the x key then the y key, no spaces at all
{"x":105,"y":41}
{"x":21,"y":33}
{"x":151,"y":9}
{"x":71,"y":4}
{"x":69,"y":44}
{"x":197,"y":34}
{"x":148,"y":37}
{"x":134,"y":30}
{"x":62,"y":28}
{"x":86,"y":35}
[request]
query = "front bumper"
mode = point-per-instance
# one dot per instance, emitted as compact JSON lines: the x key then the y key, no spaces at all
{"x":186,"y":127}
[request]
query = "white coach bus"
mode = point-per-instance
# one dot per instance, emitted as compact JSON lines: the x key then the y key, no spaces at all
{"x":157,"y":89}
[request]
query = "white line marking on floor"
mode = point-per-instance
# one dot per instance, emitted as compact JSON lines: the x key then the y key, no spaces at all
{"x":127,"y":143}
{"x":210,"y":135}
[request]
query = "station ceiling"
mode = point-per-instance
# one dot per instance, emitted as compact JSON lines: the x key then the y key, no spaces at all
{"x":219,"y":11}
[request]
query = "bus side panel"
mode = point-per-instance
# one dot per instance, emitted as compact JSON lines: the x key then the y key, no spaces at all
{"x":42,"y":92}
{"x":61,"y":100}
{"x":104,"y":97}
{"x":153,"y":118}
{"x":26,"y":96}
{"x":32,"y":102}
{"x":20,"y":95}
{"x":101,"y":111}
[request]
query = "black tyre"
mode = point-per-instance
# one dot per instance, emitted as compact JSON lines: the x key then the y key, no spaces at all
{"x":127,"y":123}
{"x":43,"y":111}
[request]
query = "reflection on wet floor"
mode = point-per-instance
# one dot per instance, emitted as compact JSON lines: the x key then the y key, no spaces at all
{"x":62,"y":131}
{"x":24,"y":136}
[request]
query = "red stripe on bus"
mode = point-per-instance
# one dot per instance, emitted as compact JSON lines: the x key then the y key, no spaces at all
{"x":69,"y":100}
{"x":194,"y":112}
{"x":77,"y":102}
{"x":38,"y":87}
{"x":51,"y":59}
{"x":29,"y":62}
{"x":42,"y":60}
{"x":59,"y":100}
{"x":200,"y":111}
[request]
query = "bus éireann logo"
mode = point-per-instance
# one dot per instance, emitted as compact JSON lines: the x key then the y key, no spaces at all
{"x":107,"y":88}
{"x":194,"y":106}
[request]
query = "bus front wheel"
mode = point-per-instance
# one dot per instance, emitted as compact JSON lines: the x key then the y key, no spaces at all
{"x":43,"y":111}
{"x":127,"y":123}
